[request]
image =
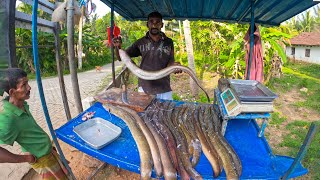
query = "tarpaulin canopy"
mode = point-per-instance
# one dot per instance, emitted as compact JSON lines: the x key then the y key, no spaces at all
{"x":271,"y":12}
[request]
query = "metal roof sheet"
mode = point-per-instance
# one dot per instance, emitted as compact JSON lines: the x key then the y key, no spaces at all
{"x":268,"y":12}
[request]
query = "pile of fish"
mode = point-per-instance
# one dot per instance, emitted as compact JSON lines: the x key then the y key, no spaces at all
{"x":171,"y":138}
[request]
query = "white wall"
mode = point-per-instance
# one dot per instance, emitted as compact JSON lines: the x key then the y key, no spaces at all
{"x":300,"y":53}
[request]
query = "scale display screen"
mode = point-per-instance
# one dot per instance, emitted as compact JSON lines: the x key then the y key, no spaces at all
{"x":234,"y":107}
{"x":227,"y":96}
{"x":230,"y":102}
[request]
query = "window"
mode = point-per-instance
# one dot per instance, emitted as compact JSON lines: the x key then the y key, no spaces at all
{"x":307,"y":53}
{"x":293,"y":51}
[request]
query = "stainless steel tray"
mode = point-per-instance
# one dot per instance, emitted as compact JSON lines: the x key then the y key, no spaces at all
{"x":97,"y":132}
{"x":251,"y":91}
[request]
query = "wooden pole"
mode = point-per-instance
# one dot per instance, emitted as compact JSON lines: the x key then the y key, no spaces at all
{"x":71,"y":57}
{"x":60,"y":71}
{"x":112,"y":47}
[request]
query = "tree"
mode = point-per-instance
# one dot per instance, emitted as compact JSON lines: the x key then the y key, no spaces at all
{"x":307,"y":22}
{"x":274,"y":41}
{"x":189,"y":46}
{"x":317,"y":18}
{"x":81,"y":22}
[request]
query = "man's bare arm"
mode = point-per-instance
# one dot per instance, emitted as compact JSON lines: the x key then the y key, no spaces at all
{"x":8,"y":157}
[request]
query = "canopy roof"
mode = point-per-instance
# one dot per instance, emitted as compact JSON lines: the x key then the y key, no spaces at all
{"x":268,"y":12}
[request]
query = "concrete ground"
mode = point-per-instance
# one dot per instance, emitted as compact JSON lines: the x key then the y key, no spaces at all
{"x":89,"y":83}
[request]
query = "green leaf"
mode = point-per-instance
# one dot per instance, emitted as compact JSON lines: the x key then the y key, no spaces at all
{"x":279,"y":49}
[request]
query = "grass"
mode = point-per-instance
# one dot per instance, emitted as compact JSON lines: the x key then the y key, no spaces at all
{"x":276,"y":119}
{"x":202,"y":98}
{"x":133,"y":80}
{"x":176,"y":97}
{"x":293,"y":141}
{"x":297,"y":76}
{"x":308,"y":69}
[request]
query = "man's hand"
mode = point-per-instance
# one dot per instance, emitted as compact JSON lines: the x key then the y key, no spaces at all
{"x":8,"y":157}
{"x":117,"y":42}
{"x":30,"y":158}
{"x":177,"y":71}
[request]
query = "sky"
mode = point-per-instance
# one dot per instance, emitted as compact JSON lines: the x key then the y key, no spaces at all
{"x":102,"y":9}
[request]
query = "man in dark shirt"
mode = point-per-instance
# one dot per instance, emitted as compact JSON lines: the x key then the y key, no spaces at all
{"x":157,"y":53}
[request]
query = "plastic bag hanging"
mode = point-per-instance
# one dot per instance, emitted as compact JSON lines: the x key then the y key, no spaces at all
{"x":116,"y":33}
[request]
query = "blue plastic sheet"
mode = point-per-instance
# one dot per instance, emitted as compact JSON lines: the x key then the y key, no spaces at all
{"x":255,"y":154}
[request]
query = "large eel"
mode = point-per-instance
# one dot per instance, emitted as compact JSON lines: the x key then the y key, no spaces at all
{"x":234,"y":156}
{"x":210,"y":153}
{"x":169,"y":171}
{"x":165,"y":132}
{"x":151,"y":141}
{"x":142,"y":144}
{"x":195,"y":140}
{"x":154,"y":75}
{"x":183,"y":113}
{"x":182,"y":146}
{"x":222,"y":150}
{"x":168,"y":107}
{"x":182,"y":171}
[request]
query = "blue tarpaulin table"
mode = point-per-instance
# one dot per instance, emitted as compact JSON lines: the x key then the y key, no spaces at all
{"x":255,"y":154}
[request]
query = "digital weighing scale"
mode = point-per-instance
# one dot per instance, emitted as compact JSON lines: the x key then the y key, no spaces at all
{"x":234,"y":106}
{"x":244,"y":99}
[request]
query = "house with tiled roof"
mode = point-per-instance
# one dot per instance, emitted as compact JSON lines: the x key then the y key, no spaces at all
{"x":305,"y":47}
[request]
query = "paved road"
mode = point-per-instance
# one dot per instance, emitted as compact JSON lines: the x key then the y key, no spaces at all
{"x":89,"y":82}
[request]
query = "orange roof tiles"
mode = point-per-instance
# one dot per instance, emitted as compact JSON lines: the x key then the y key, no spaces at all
{"x":307,"y":38}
